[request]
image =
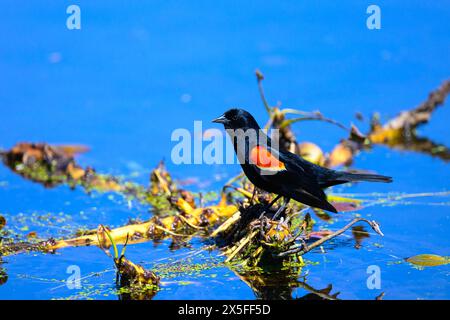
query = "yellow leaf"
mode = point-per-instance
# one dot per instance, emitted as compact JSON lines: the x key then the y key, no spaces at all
{"x":428,"y":260}
{"x":336,"y":198}
{"x":342,"y":154}
{"x":311,"y":152}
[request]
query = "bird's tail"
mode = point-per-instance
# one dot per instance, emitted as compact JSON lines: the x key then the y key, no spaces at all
{"x":353,"y":177}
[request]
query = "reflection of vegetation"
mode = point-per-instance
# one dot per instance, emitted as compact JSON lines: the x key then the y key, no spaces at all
{"x":55,"y":165}
{"x":421,"y":145}
{"x":359,"y":234}
{"x":3,"y":275}
{"x":265,"y":252}
{"x":281,"y":285}
{"x":271,"y":285}
{"x":404,"y":125}
{"x":400,"y":132}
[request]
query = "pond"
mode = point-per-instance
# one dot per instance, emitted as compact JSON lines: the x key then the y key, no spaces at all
{"x":136,"y":72}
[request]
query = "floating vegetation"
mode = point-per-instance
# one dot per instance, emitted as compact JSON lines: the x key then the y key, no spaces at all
{"x":184,"y":224}
{"x":134,"y":281}
{"x":398,"y":133}
{"x":400,"y":128}
{"x":264,"y":250}
{"x":252,"y":240}
{"x":52,"y":165}
{"x":428,"y":260}
{"x":2,"y":222}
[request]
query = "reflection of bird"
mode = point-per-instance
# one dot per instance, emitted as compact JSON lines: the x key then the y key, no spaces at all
{"x":281,"y":172}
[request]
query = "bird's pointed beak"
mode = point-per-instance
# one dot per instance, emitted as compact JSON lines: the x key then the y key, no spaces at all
{"x":220,"y":119}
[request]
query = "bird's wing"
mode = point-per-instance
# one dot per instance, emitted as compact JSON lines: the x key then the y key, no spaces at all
{"x":266,"y":159}
{"x":286,"y":168}
{"x":291,"y":175}
{"x":301,"y":175}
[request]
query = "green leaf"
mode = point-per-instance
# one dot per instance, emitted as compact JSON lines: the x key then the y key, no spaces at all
{"x":113,"y":243}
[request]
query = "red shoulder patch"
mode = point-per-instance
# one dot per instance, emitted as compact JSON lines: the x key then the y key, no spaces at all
{"x":264,"y":159}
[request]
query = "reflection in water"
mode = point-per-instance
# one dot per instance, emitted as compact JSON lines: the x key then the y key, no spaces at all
{"x":400,"y":132}
{"x":3,"y":274}
{"x":280,"y":285}
{"x":421,"y":145}
{"x":359,"y":234}
{"x":380,"y":296}
{"x":321,"y":294}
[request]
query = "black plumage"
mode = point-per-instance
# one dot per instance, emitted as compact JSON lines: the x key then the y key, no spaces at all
{"x":279,"y":171}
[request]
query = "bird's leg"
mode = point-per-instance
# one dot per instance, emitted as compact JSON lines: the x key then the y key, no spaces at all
{"x":261,"y":217}
{"x":269,"y":206}
{"x":281,"y":209}
{"x":253,"y":195}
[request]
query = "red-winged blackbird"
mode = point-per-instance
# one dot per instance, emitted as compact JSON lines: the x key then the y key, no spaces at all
{"x":279,"y":171}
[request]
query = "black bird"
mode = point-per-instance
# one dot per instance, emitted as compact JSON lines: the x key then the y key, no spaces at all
{"x":279,"y":171}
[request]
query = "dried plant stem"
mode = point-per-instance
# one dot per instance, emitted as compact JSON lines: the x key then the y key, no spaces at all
{"x":171,"y":232}
{"x":304,"y":248}
{"x":227,"y":224}
{"x":242,"y":245}
{"x":421,"y":114}
{"x":260,"y":78}
{"x":189,"y":223}
{"x":314,"y":116}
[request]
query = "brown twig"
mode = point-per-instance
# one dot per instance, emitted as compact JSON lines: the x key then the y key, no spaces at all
{"x":260,"y":78}
{"x":304,"y":248}
{"x":315,"y":115}
{"x":422,"y":114}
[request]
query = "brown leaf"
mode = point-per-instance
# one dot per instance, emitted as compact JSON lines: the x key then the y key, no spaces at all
{"x":103,"y":241}
{"x":356,"y":135}
{"x":32,"y":235}
{"x":2,"y":222}
{"x":71,"y":150}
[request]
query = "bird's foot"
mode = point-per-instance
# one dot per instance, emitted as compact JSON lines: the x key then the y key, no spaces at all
{"x":263,"y":214}
{"x":262,"y":225}
{"x":281,"y":209}
{"x":259,"y":223}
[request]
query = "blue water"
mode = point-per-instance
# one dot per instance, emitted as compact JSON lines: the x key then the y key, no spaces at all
{"x":136,"y":71}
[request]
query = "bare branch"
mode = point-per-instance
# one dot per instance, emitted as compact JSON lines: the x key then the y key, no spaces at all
{"x":422,"y":114}
{"x":304,"y":248}
{"x":260,"y":78}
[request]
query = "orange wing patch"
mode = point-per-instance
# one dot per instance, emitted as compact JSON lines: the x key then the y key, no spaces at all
{"x":263,"y":159}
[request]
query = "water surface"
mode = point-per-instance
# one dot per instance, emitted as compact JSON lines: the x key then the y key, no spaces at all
{"x":136,"y":71}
